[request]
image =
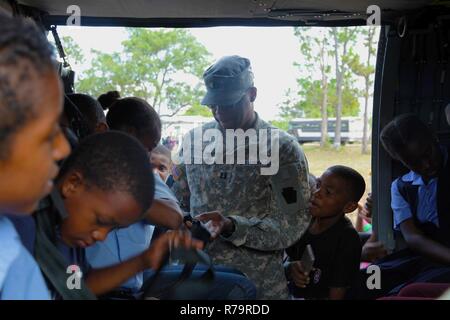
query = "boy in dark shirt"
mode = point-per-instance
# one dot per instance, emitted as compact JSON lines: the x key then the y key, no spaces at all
{"x":334,"y":241}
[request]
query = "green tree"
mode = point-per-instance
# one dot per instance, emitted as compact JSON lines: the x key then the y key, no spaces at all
{"x":343,"y":39}
{"x":198,"y":110}
{"x":72,"y":50}
{"x":310,"y":95}
{"x":281,"y":124}
{"x":319,"y":95}
{"x":155,"y":65}
{"x":366,"y":70}
{"x":315,"y":50}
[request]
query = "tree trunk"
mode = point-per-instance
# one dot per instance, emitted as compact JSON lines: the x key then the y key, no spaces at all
{"x":365,"y":141}
{"x":339,"y":74}
{"x":323,"y":110}
{"x":337,"y":130}
{"x":158,"y":92}
{"x":324,"y":106}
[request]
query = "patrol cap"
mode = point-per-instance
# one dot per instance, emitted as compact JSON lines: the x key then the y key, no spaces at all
{"x":227,"y":80}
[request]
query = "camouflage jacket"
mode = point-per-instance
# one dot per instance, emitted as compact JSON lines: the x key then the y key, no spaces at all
{"x":270,"y":212}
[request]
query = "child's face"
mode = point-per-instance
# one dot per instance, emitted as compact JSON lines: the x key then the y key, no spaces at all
{"x":423,"y":158}
{"x":161,"y":165}
{"x":93,"y":213}
{"x":331,"y":197}
{"x":27,"y":174}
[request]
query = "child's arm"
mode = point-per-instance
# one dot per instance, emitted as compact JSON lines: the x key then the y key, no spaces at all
{"x":294,"y":271}
{"x":373,"y":249}
{"x":364,"y":214}
{"x":102,"y":281}
{"x":359,"y":220}
{"x":417,"y":241}
{"x":165,"y":213}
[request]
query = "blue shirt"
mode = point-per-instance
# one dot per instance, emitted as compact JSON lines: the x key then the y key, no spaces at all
{"x":73,"y":255}
{"x":427,"y":199}
{"x":20,"y":276}
{"x":26,"y":228}
{"x":123,"y":244}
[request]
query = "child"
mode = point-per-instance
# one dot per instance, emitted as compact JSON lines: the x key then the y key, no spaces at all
{"x":31,"y":142}
{"x":108,"y":98}
{"x":91,"y":110}
{"x":409,"y":141}
{"x":137,"y":118}
{"x":162,"y":162}
{"x":101,"y":187}
{"x":334,"y":242}
{"x":372,"y":249}
{"x":364,"y":218}
{"x":421,"y":206}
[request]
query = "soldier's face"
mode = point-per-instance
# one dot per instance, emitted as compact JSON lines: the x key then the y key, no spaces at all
{"x":237,"y":116}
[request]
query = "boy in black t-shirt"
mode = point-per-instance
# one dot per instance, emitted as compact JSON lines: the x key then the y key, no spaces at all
{"x":334,"y":241}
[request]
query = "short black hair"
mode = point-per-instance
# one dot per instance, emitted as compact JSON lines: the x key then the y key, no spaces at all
{"x":163,"y":150}
{"x":114,"y":161}
{"x":402,"y":131}
{"x":134,"y":113}
{"x":355,"y":181}
{"x":90,"y":108}
{"x":108,"y":98}
{"x":23,"y":50}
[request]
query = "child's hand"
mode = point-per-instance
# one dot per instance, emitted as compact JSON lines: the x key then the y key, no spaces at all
{"x":364,"y":214}
{"x":372,"y":251}
{"x":369,"y":204}
{"x":298,"y":274}
{"x":153,"y":257}
{"x":365,"y":211}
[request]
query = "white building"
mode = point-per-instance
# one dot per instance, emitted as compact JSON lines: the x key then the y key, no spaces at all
{"x":178,"y":126}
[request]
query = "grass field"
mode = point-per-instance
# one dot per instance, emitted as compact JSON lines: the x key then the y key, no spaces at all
{"x":350,"y":155}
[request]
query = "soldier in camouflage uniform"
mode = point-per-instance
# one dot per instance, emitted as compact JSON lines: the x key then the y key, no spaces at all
{"x":252,"y":217}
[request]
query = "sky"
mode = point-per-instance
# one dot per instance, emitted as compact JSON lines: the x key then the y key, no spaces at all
{"x":272,"y":52}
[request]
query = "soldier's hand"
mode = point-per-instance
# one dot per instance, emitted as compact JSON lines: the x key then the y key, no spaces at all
{"x":216,"y":223}
{"x":153,"y":257}
{"x":298,"y":274}
{"x":187,"y":225}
